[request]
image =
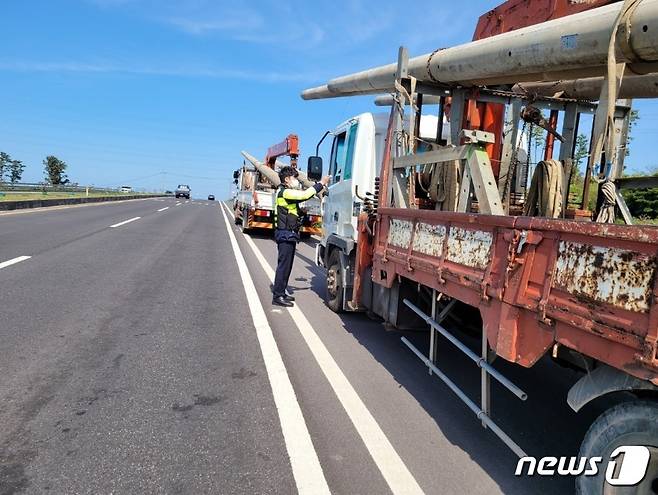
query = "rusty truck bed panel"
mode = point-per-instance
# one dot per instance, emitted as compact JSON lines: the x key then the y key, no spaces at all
{"x":537,"y":282}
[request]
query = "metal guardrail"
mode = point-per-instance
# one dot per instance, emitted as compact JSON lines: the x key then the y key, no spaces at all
{"x":27,"y":187}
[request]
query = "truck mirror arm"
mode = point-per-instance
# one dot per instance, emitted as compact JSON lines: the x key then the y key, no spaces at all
{"x":317,"y":148}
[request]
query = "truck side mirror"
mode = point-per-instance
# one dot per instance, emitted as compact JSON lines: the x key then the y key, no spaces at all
{"x":314,"y":169}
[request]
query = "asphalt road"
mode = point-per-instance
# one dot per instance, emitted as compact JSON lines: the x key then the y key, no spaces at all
{"x":130,"y":363}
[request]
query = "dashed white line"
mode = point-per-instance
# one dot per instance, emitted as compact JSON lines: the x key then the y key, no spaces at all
{"x":163,"y":209}
{"x":393,"y":469}
{"x":124,"y":222}
{"x":178,"y":204}
{"x":304,"y":461}
{"x":13,"y":261}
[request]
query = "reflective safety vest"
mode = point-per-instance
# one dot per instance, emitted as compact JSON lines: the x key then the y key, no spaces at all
{"x":286,"y":213}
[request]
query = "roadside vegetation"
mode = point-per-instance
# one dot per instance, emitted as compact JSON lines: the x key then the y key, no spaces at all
{"x":55,"y":184}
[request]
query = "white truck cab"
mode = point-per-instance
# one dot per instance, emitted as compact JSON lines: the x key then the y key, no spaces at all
{"x":354,"y":162}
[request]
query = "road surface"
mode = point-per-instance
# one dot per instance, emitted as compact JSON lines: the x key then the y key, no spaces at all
{"x":132,"y":361}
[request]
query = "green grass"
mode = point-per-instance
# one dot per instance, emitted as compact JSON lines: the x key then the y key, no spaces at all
{"x":645,"y":221}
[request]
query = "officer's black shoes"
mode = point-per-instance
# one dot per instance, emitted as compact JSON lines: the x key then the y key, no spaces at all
{"x":281,"y":301}
{"x":288,"y":297}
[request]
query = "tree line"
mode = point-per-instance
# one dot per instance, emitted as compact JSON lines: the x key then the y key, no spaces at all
{"x":54,"y":170}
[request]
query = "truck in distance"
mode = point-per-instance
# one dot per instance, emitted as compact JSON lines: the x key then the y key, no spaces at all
{"x":257,"y":183}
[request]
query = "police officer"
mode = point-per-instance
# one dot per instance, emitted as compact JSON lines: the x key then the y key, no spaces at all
{"x":287,"y":221}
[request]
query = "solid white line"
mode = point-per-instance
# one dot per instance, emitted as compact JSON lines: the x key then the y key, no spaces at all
{"x":163,"y":209}
{"x":13,"y":261}
{"x":306,"y":468}
{"x":124,"y":222}
{"x":393,"y":469}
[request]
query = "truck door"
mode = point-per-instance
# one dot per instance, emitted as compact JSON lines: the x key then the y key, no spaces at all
{"x":338,"y":206}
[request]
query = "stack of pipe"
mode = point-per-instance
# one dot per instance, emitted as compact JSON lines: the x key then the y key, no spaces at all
{"x":572,"y":47}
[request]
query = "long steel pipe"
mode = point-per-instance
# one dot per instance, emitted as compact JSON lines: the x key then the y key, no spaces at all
{"x":571,"y":47}
{"x":633,"y":86}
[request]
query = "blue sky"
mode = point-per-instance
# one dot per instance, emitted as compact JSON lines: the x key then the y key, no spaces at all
{"x":124,"y":90}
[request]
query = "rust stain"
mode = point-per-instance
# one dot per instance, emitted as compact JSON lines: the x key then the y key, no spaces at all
{"x":469,"y":247}
{"x":615,"y":276}
{"x":428,"y":239}
{"x":399,"y":232}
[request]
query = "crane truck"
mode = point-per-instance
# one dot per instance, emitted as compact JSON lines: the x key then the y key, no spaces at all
{"x":256,"y":182}
{"x":417,"y":225}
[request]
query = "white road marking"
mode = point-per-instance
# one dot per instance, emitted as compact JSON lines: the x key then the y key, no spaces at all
{"x":124,"y":222}
{"x":163,"y":209}
{"x":178,"y":204}
{"x":393,"y":469}
{"x":13,"y":261}
{"x":306,"y":468}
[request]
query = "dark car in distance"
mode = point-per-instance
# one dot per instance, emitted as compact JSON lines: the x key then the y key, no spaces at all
{"x":211,"y":197}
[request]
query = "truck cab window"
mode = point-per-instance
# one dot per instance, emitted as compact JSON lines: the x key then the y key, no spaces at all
{"x":349,"y":155}
{"x":337,"y":164}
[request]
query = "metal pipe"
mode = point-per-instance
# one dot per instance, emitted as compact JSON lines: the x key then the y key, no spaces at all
{"x":570,"y":47}
{"x":387,"y":100}
{"x":632,"y":86}
{"x":266,"y":171}
{"x":482,"y":363}
{"x":469,"y":403}
{"x":589,"y":88}
{"x":271,"y":174}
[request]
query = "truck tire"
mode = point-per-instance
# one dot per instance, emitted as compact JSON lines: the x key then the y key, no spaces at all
{"x":628,"y":423}
{"x":245,"y":221}
{"x":334,"y":295}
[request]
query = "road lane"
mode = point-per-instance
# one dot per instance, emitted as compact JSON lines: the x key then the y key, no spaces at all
{"x":303,"y":457}
{"x":439,"y":439}
{"x":130,"y":364}
{"x":37,"y":232}
{"x":13,"y":261}
{"x":392,"y":468}
{"x":123,"y":372}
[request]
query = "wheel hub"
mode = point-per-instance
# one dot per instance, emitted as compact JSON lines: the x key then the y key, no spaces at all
{"x":332,"y":282}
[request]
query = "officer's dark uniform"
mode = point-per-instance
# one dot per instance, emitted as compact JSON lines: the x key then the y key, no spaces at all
{"x":288,"y":222}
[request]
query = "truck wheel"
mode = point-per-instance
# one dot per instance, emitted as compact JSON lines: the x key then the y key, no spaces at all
{"x":334,"y":295}
{"x":628,"y":423}
{"x":245,"y":221}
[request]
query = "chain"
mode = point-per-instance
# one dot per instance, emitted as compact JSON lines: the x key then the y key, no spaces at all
{"x":429,"y":62}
